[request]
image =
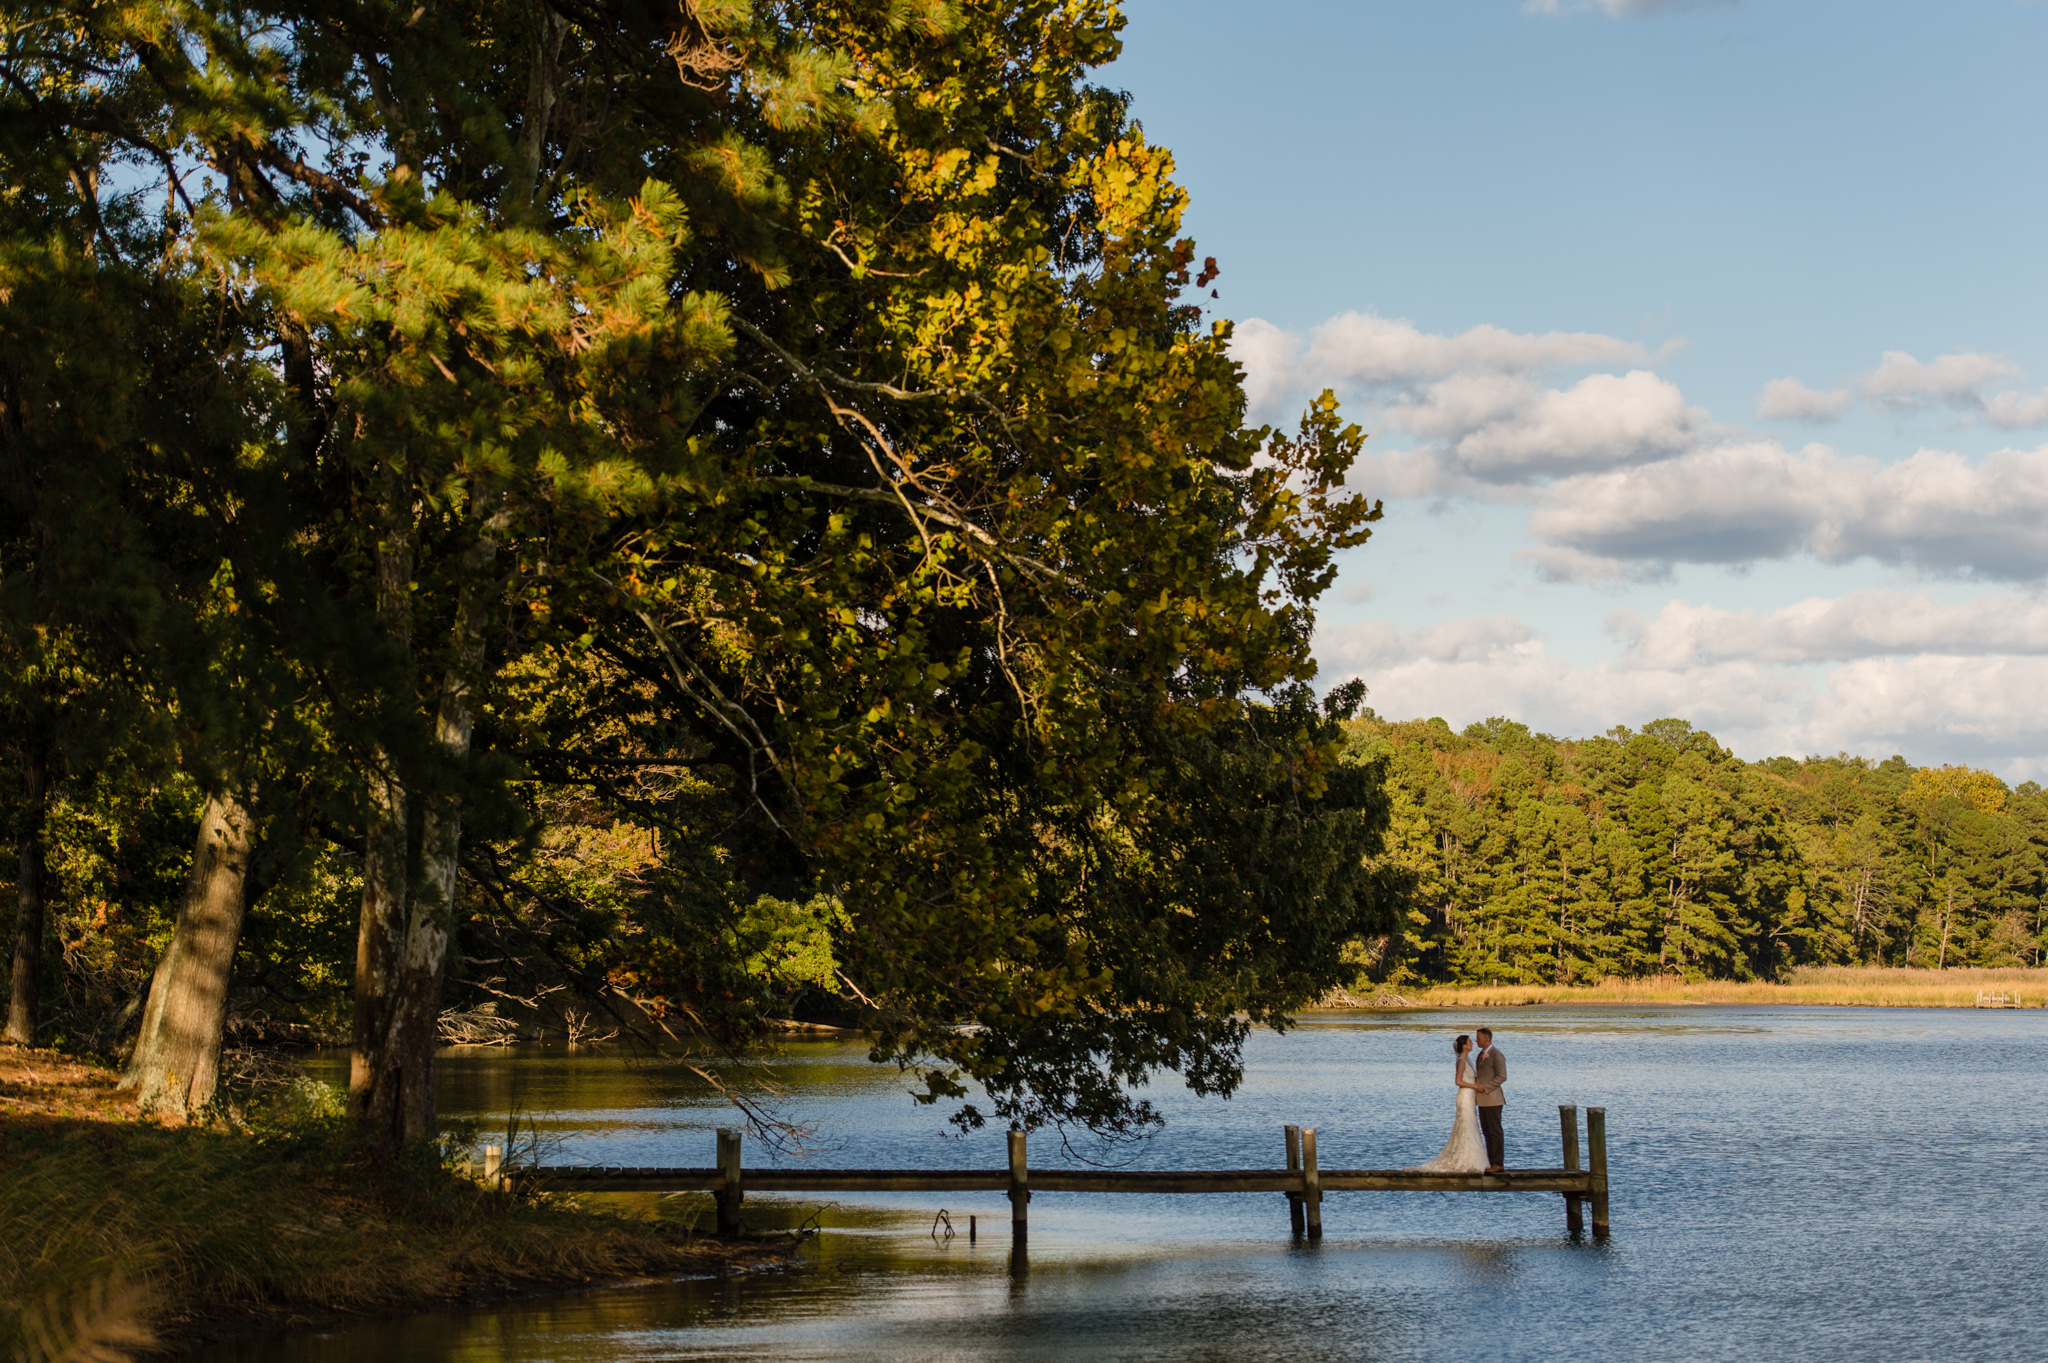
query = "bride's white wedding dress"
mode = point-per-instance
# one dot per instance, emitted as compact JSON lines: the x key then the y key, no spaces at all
{"x":1465,"y":1151}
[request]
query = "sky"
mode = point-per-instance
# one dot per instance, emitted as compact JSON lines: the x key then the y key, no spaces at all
{"x":1701,"y":346}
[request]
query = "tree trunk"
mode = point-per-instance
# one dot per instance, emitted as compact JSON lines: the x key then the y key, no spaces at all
{"x":23,"y":1001}
{"x":1948,"y":915}
{"x":543,"y":90}
{"x":430,"y":924}
{"x":373,"y":1072}
{"x":409,"y":960}
{"x":376,"y":1066}
{"x":175,"y":1068}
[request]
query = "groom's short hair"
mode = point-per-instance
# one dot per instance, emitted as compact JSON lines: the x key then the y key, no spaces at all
{"x":1486,"y":1032}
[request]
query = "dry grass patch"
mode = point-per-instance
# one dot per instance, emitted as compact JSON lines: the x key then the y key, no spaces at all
{"x":1832,"y":986}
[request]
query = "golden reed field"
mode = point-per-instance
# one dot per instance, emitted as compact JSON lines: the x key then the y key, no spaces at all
{"x":1839,"y":986}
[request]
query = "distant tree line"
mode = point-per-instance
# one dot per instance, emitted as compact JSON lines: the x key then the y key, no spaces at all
{"x":1535,"y":859}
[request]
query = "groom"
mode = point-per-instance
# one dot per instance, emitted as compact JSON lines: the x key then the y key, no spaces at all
{"x":1490,"y":1071}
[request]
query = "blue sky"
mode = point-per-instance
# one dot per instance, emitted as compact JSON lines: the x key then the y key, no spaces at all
{"x":1701,"y":345}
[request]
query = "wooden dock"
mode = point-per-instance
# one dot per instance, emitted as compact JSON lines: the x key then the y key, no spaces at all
{"x":1303,"y":1181}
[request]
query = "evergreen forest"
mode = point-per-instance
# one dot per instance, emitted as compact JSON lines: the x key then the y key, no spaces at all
{"x":1531,"y":859}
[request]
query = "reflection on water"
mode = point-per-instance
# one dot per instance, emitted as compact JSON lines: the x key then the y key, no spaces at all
{"x":1827,"y":1184}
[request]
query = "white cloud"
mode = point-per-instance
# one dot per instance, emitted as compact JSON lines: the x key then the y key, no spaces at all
{"x":1476,"y":399}
{"x":1497,"y":436}
{"x":1599,"y":422}
{"x":1723,"y":504}
{"x":2011,"y":411}
{"x":1367,"y":349}
{"x":1863,"y":624}
{"x":1979,"y":706}
{"x":1501,"y":666}
{"x":1740,"y":503}
{"x":1901,"y":381}
{"x":1376,"y":643}
{"x":1971,"y":708}
{"x":1628,"y":481}
{"x":1366,"y":355}
{"x":1269,"y":355}
{"x":1791,"y":400}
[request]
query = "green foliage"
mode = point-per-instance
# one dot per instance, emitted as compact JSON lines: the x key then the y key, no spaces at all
{"x":791,"y":436}
{"x":790,"y":944}
{"x":1539,"y":860}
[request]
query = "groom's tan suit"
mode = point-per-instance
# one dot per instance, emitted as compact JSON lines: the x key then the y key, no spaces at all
{"x":1490,"y":1071}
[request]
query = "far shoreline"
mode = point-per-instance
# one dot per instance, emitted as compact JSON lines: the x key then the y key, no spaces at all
{"x":1809,"y":987}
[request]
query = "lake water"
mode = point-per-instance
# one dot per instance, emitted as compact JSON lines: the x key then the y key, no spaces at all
{"x":1787,"y":1183}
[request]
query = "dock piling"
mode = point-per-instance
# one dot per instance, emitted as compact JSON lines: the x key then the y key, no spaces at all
{"x":494,"y":1164}
{"x":1596,"y":1147}
{"x":1311,"y":1184}
{"x":1020,"y":1188}
{"x":731,"y":1192}
{"x":1294,"y":1221}
{"x":1574,"y":1212}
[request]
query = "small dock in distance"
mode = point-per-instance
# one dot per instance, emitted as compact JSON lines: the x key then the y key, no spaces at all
{"x":1303,"y":1181}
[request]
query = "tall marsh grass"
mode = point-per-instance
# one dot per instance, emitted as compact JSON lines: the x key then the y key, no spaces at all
{"x":1837,"y":986}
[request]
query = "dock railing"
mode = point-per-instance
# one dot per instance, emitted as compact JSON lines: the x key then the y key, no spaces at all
{"x":1302,"y":1180}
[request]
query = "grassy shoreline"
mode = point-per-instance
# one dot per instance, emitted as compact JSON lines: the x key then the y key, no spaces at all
{"x":1822,"y":986}
{"x":144,"y":1237}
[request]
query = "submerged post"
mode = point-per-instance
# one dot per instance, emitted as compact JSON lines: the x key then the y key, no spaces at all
{"x":730,"y":1194}
{"x":1020,"y":1188}
{"x":1293,"y":1163}
{"x":1596,"y":1148}
{"x":1568,"y":1122}
{"x":1311,"y":1184}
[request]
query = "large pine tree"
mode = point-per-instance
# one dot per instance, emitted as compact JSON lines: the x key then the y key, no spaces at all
{"x":823,"y":394}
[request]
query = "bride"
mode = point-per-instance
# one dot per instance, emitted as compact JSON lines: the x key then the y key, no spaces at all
{"x":1465,"y":1151}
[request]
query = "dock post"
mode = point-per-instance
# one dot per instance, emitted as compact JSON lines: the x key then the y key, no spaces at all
{"x":1294,"y":1221}
{"x":1568,"y":1121}
{"x":1596,"y":1145}
{"x":1311,"y":1184}
{"x":494,"y":1164}
{"x":729,"y":1196}
{"x":1020,"y":1188}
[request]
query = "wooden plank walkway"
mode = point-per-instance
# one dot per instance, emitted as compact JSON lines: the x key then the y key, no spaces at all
{"x":623,"y":1179}
{"x":1303,"y":1181}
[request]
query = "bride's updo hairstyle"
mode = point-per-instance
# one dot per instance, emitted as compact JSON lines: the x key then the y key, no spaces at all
{"x":1458,"y":1046}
